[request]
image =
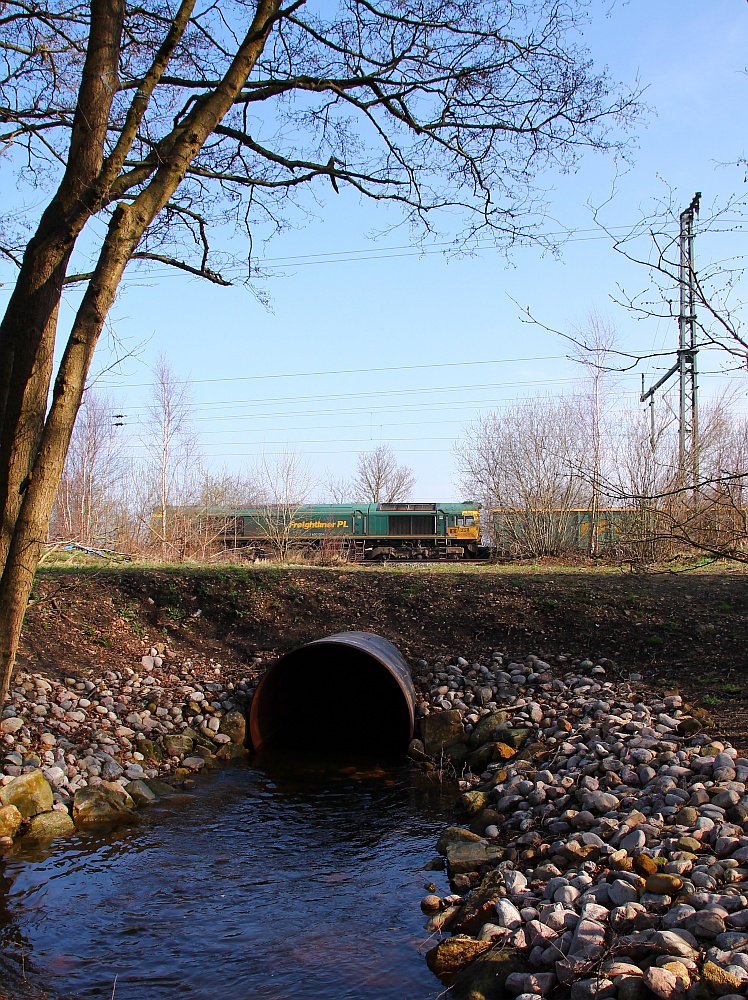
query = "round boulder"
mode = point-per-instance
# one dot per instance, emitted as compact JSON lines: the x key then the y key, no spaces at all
{"x":96,"y":807}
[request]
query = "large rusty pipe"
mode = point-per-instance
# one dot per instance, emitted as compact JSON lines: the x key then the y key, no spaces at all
{"x":351,"y":690}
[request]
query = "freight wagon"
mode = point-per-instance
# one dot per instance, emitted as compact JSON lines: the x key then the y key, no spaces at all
{"x":378,"y":531}
{"x":518,"y":532}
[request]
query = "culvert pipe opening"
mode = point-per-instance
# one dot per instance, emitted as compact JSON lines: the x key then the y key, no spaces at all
{"x":351,"y":692}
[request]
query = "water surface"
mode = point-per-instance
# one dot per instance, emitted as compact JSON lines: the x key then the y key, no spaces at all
{"x":274,"y":880}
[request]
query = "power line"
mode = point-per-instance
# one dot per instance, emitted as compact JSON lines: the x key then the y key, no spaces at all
{"x":375,"y":394}
{"x":470,"y":387}
{"x":413,"y":250}
{"x":332,"y":451}
{"x":347,"y":371}
{"x":353,"y":440}
{"x":398,"y":408}
{"x":341,"y":371}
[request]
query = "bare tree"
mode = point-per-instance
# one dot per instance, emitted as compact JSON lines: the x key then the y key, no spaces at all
{"x":597,"y":340}
{"x":170,"y":443}
{"x":155,"y":120}
{"x":86,"y":504}
{"x":339,"y":489}
{"x":286,"y":483}
{"x":526,"y":461}
{"x":380,"y":478}
{"x":218,"y":498}
{"x":662,"y":518}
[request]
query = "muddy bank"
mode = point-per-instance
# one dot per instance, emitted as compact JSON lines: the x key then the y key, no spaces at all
{"x":684,"y":633}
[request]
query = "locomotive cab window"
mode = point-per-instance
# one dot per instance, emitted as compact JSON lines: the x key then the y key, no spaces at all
{"x":460,"y":522}
{"x":467,"y":521}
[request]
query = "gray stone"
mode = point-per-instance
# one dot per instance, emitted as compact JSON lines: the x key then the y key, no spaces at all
{"x":467,"y":857}
{"x":54,"y":775}
{"x":605,"y":802}
{"x":592,"y":989}
{"x":507,"y":915}
{"x":566,"y":894}
{"x":677,"y":916}
{"x":620,"y":893}
{"x":732,"y":941}
{"x":540,"y":983}
{"x":194,"y":763}
{"x":140,"y":792}
{"x":631,"y":988}
{"x":588,"y":942}
{"x":110,"y":768}
{"x":623,"y":918}
{"x":634,"y":841}
{"x":514,"y":881}
{"x":705,"y":924}
{"x":663,"y":983}
{"x":538,"y":933}
{"x":671,"y":943}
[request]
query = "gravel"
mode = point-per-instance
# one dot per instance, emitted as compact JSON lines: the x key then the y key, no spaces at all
{"x":113,"y":727}
{"x":622,"y":831}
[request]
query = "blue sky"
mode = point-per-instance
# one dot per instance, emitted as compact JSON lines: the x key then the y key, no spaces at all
{"x":390,"y":307}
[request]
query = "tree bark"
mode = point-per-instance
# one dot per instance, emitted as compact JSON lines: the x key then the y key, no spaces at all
{"x":127,"y":226}
{"x":27,"y":332}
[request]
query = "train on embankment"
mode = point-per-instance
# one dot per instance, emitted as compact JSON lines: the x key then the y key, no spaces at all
{"x":360,"y":532}
{"x":406,"y":531}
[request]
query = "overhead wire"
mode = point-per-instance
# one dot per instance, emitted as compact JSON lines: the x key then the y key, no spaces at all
{"x":343,"y":371}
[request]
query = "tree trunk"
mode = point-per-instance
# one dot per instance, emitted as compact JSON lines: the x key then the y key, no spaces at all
{"x":31,"y":524}
{"x":127,"y":226}
{"x":27,"y":332}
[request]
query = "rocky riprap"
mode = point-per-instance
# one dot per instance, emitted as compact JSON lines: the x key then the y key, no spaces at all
{"x":90,"y":751}
{"x":602,"y":849}
{"x":602,"y":843}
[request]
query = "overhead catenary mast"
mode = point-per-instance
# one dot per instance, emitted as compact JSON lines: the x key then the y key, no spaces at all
{"x":686,"y":365}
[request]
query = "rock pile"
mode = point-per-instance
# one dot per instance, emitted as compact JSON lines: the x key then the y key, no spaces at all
{"x":96,"y":748}
{"x":603,"y":850}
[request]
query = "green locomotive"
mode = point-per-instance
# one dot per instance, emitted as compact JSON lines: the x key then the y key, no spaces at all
{"x":378,"y":531}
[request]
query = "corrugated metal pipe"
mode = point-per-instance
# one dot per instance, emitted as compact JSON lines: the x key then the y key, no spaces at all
{"x":348,"y":691}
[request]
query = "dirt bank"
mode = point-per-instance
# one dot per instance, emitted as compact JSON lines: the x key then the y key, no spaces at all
{"x":684,"y":632}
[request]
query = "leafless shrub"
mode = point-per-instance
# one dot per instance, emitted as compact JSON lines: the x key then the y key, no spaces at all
{"x":526,"y":461}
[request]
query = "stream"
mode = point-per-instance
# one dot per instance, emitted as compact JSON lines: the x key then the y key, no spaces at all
{"x":275,"y":879}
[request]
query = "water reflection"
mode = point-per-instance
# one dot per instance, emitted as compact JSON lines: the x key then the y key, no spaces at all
{"x":283,"y":879}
